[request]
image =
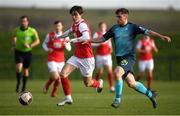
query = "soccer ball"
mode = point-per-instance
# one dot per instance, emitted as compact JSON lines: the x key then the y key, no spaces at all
{"x":25,"y":98}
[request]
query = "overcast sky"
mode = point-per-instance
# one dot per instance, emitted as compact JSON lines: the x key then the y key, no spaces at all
{"x":94,"y":4}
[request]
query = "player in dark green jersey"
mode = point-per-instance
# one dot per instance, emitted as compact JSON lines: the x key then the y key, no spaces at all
{"x":24,"y":39}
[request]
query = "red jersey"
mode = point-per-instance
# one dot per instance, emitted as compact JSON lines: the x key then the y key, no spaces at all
{"x":82,"y":50}
{"x":146,"y":44}
{"x":105,"y":47}
{"x":58,"y":48}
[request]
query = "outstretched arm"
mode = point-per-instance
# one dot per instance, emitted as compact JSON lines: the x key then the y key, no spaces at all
{"x":155,"y":34}
{"x":84,"y":38}
{"x":98,"y":40}
{"x":105,"y":37}
{"x":154,"y":47}
{"x":65,"y":34}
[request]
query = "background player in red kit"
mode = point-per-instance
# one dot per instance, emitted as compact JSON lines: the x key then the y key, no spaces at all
{"x":82,"y":58}
{"x":103,"y":55}
{"x":145,"y":48}
{"x":55,"y":49}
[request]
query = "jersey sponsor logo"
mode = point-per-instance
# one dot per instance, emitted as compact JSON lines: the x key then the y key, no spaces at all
{"x":27,"y":38}
{"x":57,"y":45}
{"x":124,"y":62}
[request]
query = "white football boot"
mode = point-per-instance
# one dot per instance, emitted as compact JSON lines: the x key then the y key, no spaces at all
{"x":66,"y":100}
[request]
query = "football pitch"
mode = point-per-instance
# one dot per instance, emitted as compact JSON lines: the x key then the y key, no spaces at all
{"x":88,"y":102}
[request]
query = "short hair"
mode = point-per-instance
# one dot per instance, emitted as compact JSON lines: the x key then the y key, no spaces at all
{"x":78,"y":9}
{"x":23,"y":17}
{"x":57,"y":21}
{"x":100,"y":23}
{"x":122,"y":10}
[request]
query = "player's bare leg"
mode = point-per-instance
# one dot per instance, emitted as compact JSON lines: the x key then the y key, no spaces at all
{"x":118,"y":85}
{"x":25,"y":78}
{"x":141,"y":88}
{"x":67,"y":69}
{"x":19,"y":68}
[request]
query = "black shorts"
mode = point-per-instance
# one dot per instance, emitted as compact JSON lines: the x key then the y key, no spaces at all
{"x":126,"y":62}
{"x":23,"y":57}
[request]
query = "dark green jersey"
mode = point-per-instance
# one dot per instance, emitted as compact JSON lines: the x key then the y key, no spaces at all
{"x":24,"y":36}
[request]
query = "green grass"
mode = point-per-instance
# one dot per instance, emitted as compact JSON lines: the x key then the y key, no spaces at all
{"x":88,"y":102}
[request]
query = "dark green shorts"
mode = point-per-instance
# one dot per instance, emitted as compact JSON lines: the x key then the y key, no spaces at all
{"x":126,"y":62}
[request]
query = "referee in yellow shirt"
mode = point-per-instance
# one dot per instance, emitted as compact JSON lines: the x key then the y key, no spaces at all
{"x":24,"y":39}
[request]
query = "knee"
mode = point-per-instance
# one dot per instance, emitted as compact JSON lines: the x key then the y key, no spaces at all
{"x":55,"y":76}
{"x":26,"y":72}
{"x":18,"y":69}
{"x":132,"y":84}
{"x":58,"y":79}
{"x":62,"y":75}
{"x":118,"y":73}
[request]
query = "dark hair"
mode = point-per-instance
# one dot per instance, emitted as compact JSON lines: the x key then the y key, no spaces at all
{"x":24,"y":16}
{"x":122,"y":10}
{"x":57,"y":21}
{"x":100,"y":23}
{"x":78,"y":9}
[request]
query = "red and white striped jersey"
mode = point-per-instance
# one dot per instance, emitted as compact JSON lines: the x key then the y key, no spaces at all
{"x":146,"y":44}
{"x":105,"y":47}
{"x":82,"y":50}
{"x":58,"y":46}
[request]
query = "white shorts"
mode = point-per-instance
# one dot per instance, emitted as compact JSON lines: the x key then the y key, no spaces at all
{"x":86,"y":65}
{"x":146,"y":64}
{"x":55,"y":66}
{"x":101,"y":61}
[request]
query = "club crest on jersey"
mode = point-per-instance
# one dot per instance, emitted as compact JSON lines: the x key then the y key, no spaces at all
{"x":76,"y":28}
{"x":124,"y":62}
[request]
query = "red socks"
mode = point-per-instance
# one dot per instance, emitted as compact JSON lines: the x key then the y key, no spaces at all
{"x":48,"y":83}
{"x":149,"y":79}
{"x":95,"y":84}
{"x":111,"y":80}
{"x":55,"y":88}
{"x":65,"y":85}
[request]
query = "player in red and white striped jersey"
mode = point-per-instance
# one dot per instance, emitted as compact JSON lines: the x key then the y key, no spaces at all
{"x":103,"y":55}
{"x":145,"y":48}
{"x":82,"y":58}
{"x":55,"y":49}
